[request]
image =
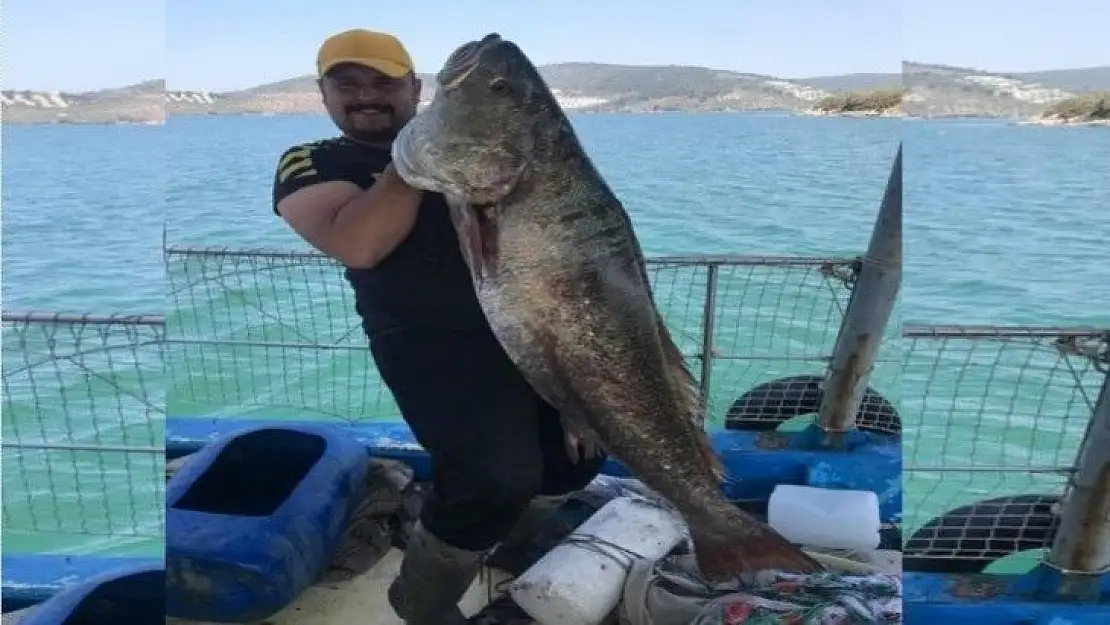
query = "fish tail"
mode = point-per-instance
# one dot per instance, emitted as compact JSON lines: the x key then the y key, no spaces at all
{"x":709,"y":456}
{"x":724,"y":557}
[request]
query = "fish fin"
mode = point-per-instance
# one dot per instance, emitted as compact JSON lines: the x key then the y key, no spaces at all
{"x":683,"y":382}
{"x":681,"y":375}
{"x":582,"y":442}
{"x":709,"y":455}
{"x":486,"y":218}
{"x":680,"y":372}
{"x":476,"y":227}
{"x":470,"y":236}
{"x":721,"y":557}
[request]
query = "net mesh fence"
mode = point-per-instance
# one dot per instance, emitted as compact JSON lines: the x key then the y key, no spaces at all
{"x":83,"y":433}
{"x":274,"y":334}
{"x":995,"y":414}
{"x":996,"y":417}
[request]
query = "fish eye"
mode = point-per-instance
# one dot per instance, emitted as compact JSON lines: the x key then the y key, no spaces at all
{"x":500,"y":86}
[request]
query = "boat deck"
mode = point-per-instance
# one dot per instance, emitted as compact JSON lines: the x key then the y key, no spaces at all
{"x":360,"y":599}
{"x":353,"y":589}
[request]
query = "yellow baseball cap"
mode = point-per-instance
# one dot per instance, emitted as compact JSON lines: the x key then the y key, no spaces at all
{"x":380,"y":51}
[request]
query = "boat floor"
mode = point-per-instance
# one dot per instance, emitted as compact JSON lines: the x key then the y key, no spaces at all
{"x":361,"y":599}
{"x":358,"y":600}
{"x":13,"y":618}
{"x":352,"y":591}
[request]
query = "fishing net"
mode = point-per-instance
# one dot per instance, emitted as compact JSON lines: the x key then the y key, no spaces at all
{"x":859,"y":588}
{"x":671,"y":592}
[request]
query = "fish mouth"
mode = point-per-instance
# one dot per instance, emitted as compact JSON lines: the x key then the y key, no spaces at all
{"x":404,"y":163}
{"x":463,"y":61}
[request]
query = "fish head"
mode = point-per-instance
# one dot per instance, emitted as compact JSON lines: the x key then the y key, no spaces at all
{"x":477,"y":137}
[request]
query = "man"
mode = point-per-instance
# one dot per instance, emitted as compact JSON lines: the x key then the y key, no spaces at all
{"x":495,"y":446}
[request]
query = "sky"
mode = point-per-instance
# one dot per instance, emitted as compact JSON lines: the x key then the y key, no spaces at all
{"x":219,"y":45}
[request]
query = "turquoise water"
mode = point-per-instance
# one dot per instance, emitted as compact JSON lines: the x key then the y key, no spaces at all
{"x":1003,"y":225}
{"x":683,"y":200}
{"x":82,"y":224}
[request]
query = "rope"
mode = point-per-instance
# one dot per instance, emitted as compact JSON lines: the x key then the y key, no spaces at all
{"x":822,"y":598}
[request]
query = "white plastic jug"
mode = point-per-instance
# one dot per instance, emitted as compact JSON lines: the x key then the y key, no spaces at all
{"x":581,"y":581}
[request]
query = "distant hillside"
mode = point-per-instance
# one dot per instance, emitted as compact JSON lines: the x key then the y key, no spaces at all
{"x":926,"y":90}
{"x":947,"y":91}
{"x":1085,"y":80}
{"x":854,"y":82}
{"x":579,"y":86}
{"x":142,"y":103}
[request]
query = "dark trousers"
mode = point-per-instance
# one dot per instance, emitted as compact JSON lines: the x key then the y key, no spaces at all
{"x":494,"y":444}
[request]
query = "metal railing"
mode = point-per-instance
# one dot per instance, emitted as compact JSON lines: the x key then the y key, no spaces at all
{"x":83,"y":432}
{"x":995,"y":416}
{"x":274,"y":334}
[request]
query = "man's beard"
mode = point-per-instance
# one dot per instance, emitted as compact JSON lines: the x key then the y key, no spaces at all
{"x":380,"y":135}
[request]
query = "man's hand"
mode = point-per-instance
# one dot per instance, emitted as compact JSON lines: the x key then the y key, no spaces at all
{"x":582,"y":443}
{"x":390,"y":176}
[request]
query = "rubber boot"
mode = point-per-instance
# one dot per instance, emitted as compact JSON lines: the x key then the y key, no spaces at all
{"x":533,"y":519}
{"x":434,"y":576}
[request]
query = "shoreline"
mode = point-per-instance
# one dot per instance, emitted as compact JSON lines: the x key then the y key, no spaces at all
{"x":1067,"y":123}
{"x":1054,"y":122}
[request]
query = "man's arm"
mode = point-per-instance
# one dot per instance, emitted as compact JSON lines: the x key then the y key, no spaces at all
{"x":358,"y":228}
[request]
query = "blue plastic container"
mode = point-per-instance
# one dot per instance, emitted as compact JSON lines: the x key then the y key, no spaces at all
{"x":132,"y":595}
{"x":254,"y":518}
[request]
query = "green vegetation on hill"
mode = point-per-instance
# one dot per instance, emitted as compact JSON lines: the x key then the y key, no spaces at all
{"x":1086,"y":107}
{"x":878,"y":101}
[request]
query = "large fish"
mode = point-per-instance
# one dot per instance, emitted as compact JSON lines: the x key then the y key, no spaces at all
{"x":561,"y":278}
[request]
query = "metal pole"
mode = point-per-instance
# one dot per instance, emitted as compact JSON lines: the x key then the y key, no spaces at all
{"x":1082,"y":543}
{"x":709,"y":322}
{"x":869,"y":309}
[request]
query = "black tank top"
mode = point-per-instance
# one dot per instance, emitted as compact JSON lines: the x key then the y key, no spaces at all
{"x":424,"y":282}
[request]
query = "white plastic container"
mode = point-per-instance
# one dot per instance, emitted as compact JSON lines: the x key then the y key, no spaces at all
{"x":580,"y":584}
{"x":824,"y":517}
